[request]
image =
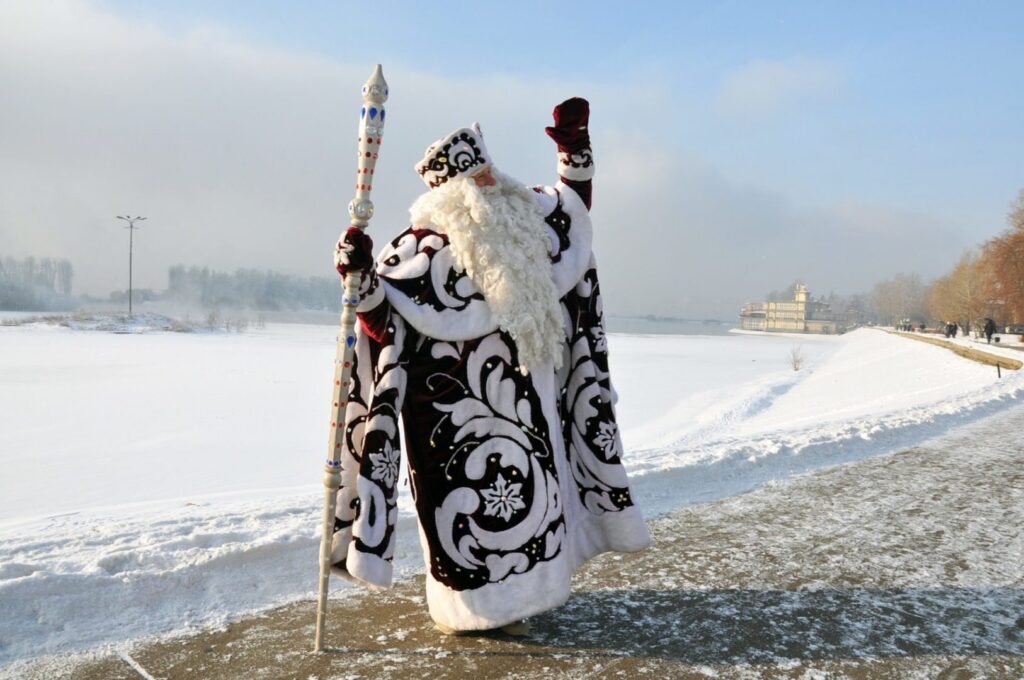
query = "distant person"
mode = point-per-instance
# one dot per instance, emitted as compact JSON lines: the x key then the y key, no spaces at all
{"x":990,"y":329}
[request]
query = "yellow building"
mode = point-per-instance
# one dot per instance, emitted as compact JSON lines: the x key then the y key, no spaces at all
{"x":799,"y":315}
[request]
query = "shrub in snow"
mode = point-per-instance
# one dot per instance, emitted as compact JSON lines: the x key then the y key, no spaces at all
{"x":796,"y":357}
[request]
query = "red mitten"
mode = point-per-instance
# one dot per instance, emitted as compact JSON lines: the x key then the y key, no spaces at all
{"x":570,"y":130}
{"x":354,"y":252}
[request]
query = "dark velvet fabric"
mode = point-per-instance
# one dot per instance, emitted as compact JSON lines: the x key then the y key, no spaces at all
{"x":570,"y":131}
{"x":583,"y":188}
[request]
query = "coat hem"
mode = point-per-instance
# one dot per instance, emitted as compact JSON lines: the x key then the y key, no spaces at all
{"x":624,"y":531}
{"x":461,"y":610}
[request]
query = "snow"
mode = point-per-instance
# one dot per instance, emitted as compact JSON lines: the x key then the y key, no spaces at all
{"x":142,"y":417}
{"x":157,"y":482}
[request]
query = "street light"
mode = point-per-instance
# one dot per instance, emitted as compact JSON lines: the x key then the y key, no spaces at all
{"x":131,"y":232}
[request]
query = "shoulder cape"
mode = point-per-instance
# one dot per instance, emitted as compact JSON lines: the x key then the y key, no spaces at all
{"x":419,"y":277}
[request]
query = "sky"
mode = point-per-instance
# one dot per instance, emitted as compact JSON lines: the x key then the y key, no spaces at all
{"x":739,"y":145}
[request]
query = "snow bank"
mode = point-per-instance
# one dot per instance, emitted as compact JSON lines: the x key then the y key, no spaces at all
{"x":874,"y":393}
{"x":159,"y":482}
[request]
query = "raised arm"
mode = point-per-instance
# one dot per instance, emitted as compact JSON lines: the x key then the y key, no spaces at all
{"x":575,"y":158}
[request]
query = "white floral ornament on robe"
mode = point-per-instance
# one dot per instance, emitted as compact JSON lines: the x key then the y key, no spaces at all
{"x":502,"y":499}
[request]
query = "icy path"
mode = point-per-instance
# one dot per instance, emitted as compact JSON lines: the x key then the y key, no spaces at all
{"x":909,"y":566}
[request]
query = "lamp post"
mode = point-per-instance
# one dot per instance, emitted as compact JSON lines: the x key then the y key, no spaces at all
{"x":131,"y":232}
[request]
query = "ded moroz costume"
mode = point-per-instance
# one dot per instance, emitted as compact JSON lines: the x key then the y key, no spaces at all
{"x":481,"y":330}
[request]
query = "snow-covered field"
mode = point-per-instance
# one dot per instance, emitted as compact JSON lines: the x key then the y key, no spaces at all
{"x":157,"y":482}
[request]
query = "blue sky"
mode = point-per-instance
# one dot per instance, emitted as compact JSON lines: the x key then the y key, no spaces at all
{"x":860,"y":126}
{"x":914,"y":86}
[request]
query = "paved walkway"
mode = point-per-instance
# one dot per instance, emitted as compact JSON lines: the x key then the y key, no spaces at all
{"x":909,"y":565}
{"x":1003,"y":356}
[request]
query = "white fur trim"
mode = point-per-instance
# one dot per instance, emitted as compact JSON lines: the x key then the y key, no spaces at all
{"x":342,"y":550}
{"x":622,"y":531}
{"x":367,"y":568}
{"x":491,"y":606}
{"x":545,"y":586}
{"x":577,"y":167}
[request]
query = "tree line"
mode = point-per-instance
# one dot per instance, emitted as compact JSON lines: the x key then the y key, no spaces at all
{"x":252,"y":289}
{"x":987,"y":282}
{"x":44,"y":284}
{"x":36,"y":284}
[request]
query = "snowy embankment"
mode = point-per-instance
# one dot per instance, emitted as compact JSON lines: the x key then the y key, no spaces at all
{"x":159,"y":482}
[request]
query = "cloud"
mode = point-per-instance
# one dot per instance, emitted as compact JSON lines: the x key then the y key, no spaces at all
{"x":243,"y":155}
{"x":764,"y":88}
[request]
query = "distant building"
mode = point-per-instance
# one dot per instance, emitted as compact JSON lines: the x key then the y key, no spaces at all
{"x":799,"y":315}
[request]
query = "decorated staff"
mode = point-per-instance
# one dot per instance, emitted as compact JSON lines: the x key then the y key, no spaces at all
{"x":360,"y":210}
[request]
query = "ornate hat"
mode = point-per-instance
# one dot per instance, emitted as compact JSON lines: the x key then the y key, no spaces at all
{"x":462,"y":153}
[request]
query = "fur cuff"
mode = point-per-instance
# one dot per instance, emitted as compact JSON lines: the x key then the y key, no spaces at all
{"x":578,"y":166}
{"x":622,"y":531}
{"x":368,"y":568}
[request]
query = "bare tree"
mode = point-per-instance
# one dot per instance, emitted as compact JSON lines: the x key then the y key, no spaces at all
{"x":964,"y":296}
{"x":65,"y":273}
{"x":941,"y":305}
{"x":36,"y":284}
{"x":901,"y":297}
{"x":1016,"y":214}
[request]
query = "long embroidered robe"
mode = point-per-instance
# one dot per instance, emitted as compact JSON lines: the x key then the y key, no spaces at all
{"x":517,"y":480}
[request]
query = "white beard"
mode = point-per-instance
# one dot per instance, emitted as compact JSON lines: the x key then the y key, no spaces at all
{"x":498,"y":237}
